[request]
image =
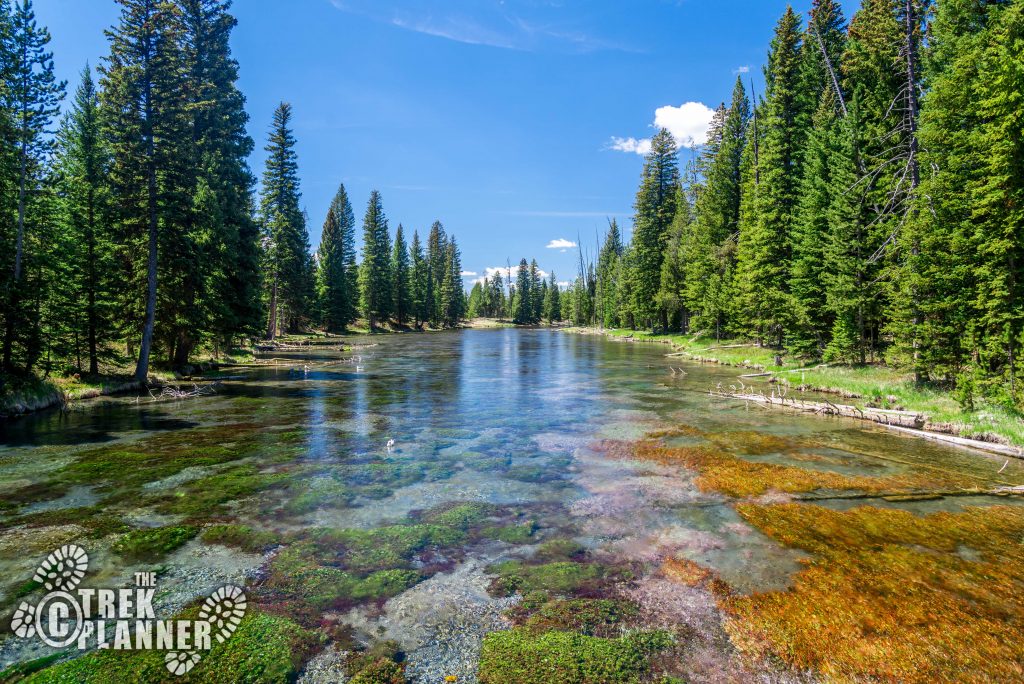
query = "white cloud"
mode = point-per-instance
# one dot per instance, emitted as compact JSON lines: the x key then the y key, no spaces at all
{"x":468,"y":274}
{"x":688,"y":124}
{"x":642,"y":146}
{"x":742,"y":70}
{"x":504,"y":270}
{"x":561,"y":243}
{"x":564,"y":284}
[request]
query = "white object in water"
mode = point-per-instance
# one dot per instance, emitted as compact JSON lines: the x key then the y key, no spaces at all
{"x":391,"y":444}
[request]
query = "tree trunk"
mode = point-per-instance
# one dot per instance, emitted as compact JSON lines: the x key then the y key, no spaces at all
{"x":142,"y":368}
{"x":93,"y":323}
{"x":272,"y":319}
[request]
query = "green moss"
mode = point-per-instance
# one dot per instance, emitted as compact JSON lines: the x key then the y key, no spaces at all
{"x":323,"y":587}
{"x":265,"y":649}
{"x":521,"y":657}
{"x":93,"y":518}
{"x":379,"y":664}
{"x":560,"y":549}
{"x":240,"y":536}
{"x":513,"y":534}
{"x":320,"y":493}
{"x":558,"y":577}
{"x":364,"y":551}
{"x":592,"y":617}
{"x":462,"y":516}
{"x":17,"y":672}
{"x":154,"y":543}
{"x":380,"y":672}
{"x":207,"y":496}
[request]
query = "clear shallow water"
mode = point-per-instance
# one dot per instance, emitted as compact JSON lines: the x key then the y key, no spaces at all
{"x":505,"y":417}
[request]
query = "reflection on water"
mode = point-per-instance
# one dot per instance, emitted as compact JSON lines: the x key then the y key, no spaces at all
{"x":502,"y":417}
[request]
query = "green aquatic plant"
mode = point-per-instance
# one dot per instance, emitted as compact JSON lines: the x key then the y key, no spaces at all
{"x":207,"y":496}
{"x":379,"y":664}
{"x":560,"y":550}
{"x":518,"y":656}
{"x":265,"y":648}
{"x":558,"y":577}
{"x":512,"y":534}
{"x":592,"y":617}
{"x":154,"y":543}
{"x":240,"y":536}
{"x":95,"y":519}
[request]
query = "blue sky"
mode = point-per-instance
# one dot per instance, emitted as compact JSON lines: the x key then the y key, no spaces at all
{"x":514,"y":122}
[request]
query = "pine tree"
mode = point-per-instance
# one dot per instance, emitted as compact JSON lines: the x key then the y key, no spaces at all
{"x":607,"y":276}
{"x":521,"y":302}
{"x":33,"y":97}
{"x":451,"y":294}
{"x":476,"y":304}
{"x":284,"y":228}
{"x":419,"y":276}
{"x":437,"y":248}
{"x":401,"y":301}
{"x":338,"y":285}
{"x":330,"y":276}
{"x":82,"y":166}
{"x":225,"y":234}
{"x":710,"y":250}
{"x":500,"y":308}
{"x":674,"y":265}
{"x":536,"y":293}
{"x":820,"y":187}
{"x":552,"y":301}
{"x":375,"y":271}
{"x":764,"y":250}
{"x":144,"y":100}
{"x":997,"y":194}
{"x":655,"y":208}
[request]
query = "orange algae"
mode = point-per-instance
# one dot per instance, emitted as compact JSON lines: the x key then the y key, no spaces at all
{"x":685,"y":571}
{"x":891,"y":596}
{"x":726,"y":473}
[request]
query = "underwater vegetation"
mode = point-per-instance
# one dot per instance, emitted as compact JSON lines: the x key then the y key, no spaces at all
{"x":265,"y":648}
{"x":518,"y":656}
{"x":726,"y":473}
{"x":892,"y":596}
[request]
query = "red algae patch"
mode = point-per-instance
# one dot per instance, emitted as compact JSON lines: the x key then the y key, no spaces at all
{"x":891,"y":596}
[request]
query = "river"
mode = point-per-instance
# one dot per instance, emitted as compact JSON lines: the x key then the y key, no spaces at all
{"x":359,"y":462}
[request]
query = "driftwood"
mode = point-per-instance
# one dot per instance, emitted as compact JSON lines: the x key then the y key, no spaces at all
{"x":995,"y":448}
{"x":905,"y":419}
{"x":171,"y":392}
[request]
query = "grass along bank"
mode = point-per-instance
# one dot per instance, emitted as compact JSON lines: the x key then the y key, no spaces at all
{"x":869,"y":386}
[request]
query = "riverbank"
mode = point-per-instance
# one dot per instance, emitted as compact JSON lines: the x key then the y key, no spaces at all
{"x":862,"y":387}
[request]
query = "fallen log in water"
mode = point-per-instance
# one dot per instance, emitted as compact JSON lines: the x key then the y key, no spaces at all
{"x":904,"y":421}
{"x":914,"y":496}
